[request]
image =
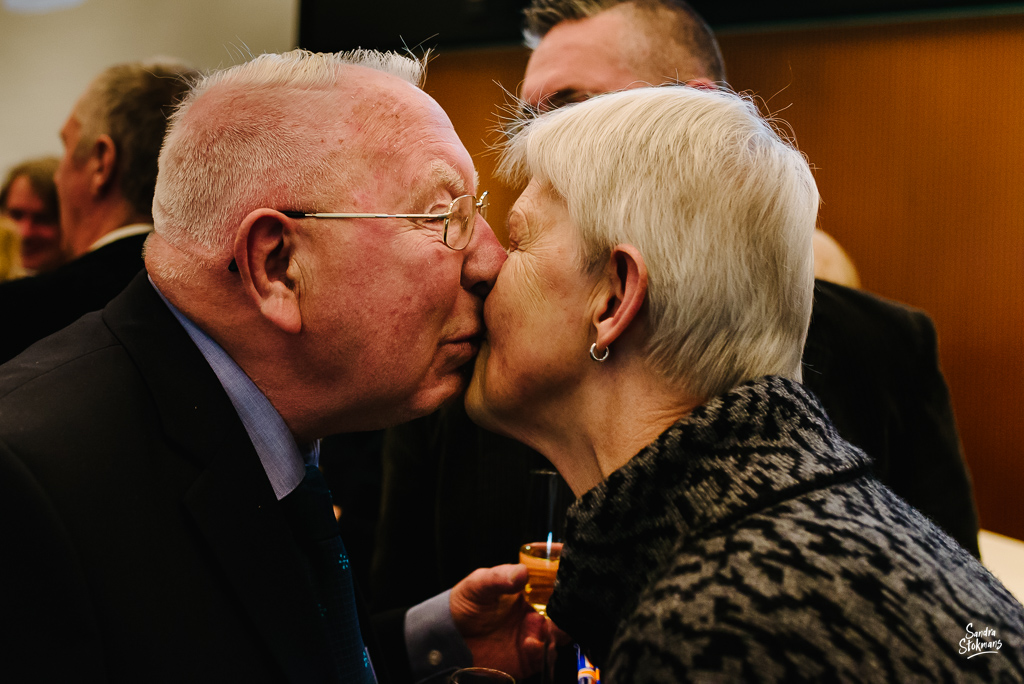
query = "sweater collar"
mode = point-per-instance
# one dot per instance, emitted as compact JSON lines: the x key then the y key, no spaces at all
{"x":764,"y":441}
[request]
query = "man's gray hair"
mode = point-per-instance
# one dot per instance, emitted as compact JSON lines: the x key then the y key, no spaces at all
{"x":132,"y":103}
{"x":720,"y":206}
{"x":269,"y":138}
{"x":690,"y":35}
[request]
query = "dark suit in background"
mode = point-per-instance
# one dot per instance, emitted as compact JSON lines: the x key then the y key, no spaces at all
{"x":454,"y":494}
{"x":145,"y":520}
{"x":32,"y":308}
{"x":875,"y":366}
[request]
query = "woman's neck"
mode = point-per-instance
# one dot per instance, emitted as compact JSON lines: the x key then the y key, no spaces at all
{"x":613,"y":414}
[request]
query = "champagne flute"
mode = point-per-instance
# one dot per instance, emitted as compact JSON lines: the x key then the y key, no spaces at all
{"x":548,"y":497}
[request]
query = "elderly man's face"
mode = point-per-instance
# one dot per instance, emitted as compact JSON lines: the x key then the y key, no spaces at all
{"x":399,"y":313}
{"x":579,"y":59}
{"x":537,"y":318}
{"x":38,"y":228}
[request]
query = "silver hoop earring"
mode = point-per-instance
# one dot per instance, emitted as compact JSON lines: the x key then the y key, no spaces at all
{"x":604,"y":357}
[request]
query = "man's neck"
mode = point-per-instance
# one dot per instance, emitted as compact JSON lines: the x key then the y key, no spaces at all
{"x":100,"y":223}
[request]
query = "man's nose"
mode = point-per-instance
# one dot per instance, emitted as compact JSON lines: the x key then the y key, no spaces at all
{"x":483,"y":260}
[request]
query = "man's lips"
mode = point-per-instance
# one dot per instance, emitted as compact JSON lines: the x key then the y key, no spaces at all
{"x":467,"y":345}
{"x":474,"y":339}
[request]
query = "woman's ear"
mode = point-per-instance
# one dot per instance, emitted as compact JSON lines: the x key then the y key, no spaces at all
{"x":626,"y":275}
{"x":264,"y":247}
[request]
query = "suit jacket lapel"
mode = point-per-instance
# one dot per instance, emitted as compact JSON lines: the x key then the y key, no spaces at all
{"x":231,"y":501}
{"x":254,"y":547}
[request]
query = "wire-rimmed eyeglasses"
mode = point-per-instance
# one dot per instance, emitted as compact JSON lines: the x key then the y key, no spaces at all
{"x":458,"y":220}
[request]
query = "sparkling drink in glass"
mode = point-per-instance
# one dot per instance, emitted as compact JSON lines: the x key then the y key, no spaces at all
{"x":541,"y":560}
{"x":547,"y":499}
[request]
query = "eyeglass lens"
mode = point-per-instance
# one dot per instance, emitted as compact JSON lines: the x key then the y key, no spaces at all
{"x":460,"y":224}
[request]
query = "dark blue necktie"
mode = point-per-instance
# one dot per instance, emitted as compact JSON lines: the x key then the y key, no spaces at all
{"x":311,"y":513}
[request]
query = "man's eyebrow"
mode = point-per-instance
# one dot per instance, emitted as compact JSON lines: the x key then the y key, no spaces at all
{"x":447,"y":176}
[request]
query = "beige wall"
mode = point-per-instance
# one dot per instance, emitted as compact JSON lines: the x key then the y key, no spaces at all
{"x":46,"y":60}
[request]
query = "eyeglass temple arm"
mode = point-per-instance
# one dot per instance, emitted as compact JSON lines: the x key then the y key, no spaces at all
{"x":480,"y":204}
{"x":300,"y":214}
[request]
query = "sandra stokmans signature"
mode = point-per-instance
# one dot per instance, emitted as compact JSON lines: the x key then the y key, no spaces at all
{"x":979,"y":643}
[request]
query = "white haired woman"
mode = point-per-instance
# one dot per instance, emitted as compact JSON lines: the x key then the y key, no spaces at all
{"x":645,"y":335}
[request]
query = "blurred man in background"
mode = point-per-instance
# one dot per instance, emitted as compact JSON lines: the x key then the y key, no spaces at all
{"x":105,"y":182}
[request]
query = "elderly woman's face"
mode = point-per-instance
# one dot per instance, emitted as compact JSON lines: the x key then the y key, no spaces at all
{"x":538,"y":318}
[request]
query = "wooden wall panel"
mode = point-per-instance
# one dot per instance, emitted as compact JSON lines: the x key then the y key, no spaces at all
{"x":917,"y":135}
{"x":916,"y":132}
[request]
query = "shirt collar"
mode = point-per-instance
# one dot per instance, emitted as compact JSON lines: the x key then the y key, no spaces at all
{"x":122,"y":232}
{"x":280,"y":455}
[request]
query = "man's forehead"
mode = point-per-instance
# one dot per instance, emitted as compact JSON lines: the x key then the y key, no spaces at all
{"x":587,"y":56}
{"x":73,"y":120}
{"x":404,"y":137}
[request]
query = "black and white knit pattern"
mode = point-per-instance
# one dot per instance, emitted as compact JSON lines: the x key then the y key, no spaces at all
{"x":749,"y":542}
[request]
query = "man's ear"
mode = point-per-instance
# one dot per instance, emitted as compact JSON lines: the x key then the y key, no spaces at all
{"x":103,"y":160}
{"x":264,"y":246}
{"x":626,"y":276}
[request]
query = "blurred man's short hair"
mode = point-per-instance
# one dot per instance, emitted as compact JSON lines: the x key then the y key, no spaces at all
{"x":132,"y":103}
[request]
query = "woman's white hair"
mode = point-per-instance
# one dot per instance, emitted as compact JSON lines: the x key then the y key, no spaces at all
{"x":260,"y":134}
{"x":721,"y":207}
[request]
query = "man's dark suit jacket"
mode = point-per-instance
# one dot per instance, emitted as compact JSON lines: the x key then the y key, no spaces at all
{"x":141,"y":539}
{"x":32,"y":308}
{"x":453,"y":496}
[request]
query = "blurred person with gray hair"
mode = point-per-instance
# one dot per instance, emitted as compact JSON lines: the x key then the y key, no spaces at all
{"x":645,"y":334}
{"x":105,"y":182}
{"x":318,"y":265}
